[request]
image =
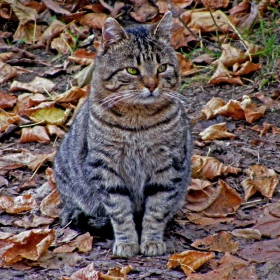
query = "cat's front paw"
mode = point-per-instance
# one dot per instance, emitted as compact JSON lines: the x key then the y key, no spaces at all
{"x":153,"y":248}
{"x":125,"y":250}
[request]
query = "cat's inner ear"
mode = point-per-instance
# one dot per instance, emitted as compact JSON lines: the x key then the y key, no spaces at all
{"x":112,"y":32}
{"x":163,"y":27}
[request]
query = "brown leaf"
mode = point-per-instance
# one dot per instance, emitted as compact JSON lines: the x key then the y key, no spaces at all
{"x":201,"y":219}
{"x":144,"y":12}
{"x":6,"y":119}
{"x":7,"y":72}
{"x":18,"y":204}
{"x":229,"y":267}
{"x":82,"y":57}
{"x":71,"y":96}
{"x":186,"y":66}
{"x":49,"y":205}
{"x":94,"y":20}
{"x":214,"y":202}
{"x":260,"y":179}
{"x":215,"y":4}
{"x":55,"y":130}
{"x":38,"y":85}
{"x":28,"y":32}
{"x":64,"y":44}
{"x":33,"y":221}
{"x":219,"y":242}
{"x":223,"y":75}
{"x":189,"y":260}
{"x":209,"y":167}
{"x":216,"y":131}
{"x":83,"y":243}
{"x":210,"y":108}
{"x":55,"y":7}
{"x":7,"y":100}
{"x":240,"y":10}
{"x":55,"y":27}
{"x":28,"y":245}
{"x":247,"y":233}
{"x":246,"y":68}
{"x":37,"y":133}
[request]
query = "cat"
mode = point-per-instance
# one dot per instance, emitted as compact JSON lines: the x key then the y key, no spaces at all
{"x":126,"y":157}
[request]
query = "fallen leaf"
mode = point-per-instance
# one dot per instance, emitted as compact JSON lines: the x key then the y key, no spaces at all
{"x":55,"y":28}
{"x":223,"y":75}
{"x":189,"y":260}
{"x":7,"y":72}
{"x":210,"y":108}
{"x":214,"y":4}
{"x":38,"y":85}
{"x":229,"y":267}
{"x":240,"y":9}
{"x":33,"y":221}
{"x":260,"y":179}
{"x":7,"y":119}
{"x":82,"y":57}
{"x":37,"y":133}
{"x":209,"y":167}
{"x":83,"y":243}
{"x":18,"y":204}
{"x":49,"y":205}
{"x":28,"y":32}
{"x":52,"y":115}
{"x":216,"y":131}
{"x":247,"y":233}
{"x":55,"y":130}
{"x":64,"y":44}
{"x":28,"y":245}
{"x":71,"y":96}
{"x":219,"y":242}
{"x":201,"y":219}
{"x":55,"y":7}
{"x":7,"y":100}
{"x":94,"y":20}
{"x":144,"y":12}
{"x":245,"y":68}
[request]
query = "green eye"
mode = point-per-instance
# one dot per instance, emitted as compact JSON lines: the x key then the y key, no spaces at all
{"x":162,"y":68}
{"x":132,"y":71}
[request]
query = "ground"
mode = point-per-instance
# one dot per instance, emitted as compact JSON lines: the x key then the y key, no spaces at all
{"x":245,"y":150}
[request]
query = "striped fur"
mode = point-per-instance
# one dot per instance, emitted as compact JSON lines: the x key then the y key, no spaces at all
{"x":126,"y":157}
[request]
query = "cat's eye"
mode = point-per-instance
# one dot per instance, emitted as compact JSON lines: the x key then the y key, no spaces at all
{"x":132,"y":71}
{"x":162,"y":68}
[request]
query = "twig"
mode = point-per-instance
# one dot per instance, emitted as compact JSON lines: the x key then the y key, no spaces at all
{"x":184,"y":24}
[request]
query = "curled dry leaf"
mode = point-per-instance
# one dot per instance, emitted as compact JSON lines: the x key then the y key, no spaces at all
{"x":144,"y":12}
{"x":55,"y":130}
{"x":33,"y":221}
{"x":223,"y":75}
{"x":201,"y":219}
{"x":189,"y":260}
{"x":211,"y":106}
{"x":229,"y":267}
{"x":7,"y":100}
{"x":49,"y":205}
{"x":71,"y":96}
{"x":24,"y":158}
{"x":7,"y":119}
{"x":216,"y":131}
{"x":197,"y":184}
{"x":82,"y":57}
{"x":245,"y":68}
{"x":64,"y":44}
{"x":38,"y":85}
{"x":94,"y":20}
{"x":247,"y":233}
{"x":209,"y":167}
{"x":213,"y":4}
{"x":55,"y":7}
{"x":52,"y":115}
{"x":37,"y":133}
{"x":219,"y":242}
{"x":29,"y":32}
{"x":214,"y":202}
{"x":18,"y":204}
{"x":260,"y":179}
{"x":7,"y":72}
{"x":240,"y":10}
{"x":55,"y":28}
{"x":29,"y":245}
{"x":83,"y":243}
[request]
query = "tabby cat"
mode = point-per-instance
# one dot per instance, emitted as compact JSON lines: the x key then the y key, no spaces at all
{"x":126,"y":157}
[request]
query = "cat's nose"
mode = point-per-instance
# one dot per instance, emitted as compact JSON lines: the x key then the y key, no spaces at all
{"x":150,"y":83}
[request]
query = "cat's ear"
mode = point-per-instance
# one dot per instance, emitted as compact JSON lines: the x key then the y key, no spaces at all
{"x":163,"y":27}
{"x":112,"y":33}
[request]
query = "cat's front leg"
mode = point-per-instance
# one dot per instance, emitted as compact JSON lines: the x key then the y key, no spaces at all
{"x":160,"y":205}
{"x":119,"y":209}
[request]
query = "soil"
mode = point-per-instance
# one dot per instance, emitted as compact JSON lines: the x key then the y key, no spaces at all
{"x":244,"y":151}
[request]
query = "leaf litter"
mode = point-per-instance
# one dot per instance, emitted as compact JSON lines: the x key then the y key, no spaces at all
{"x":234,"y":167}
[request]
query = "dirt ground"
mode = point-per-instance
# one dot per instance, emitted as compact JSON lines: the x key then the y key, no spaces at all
{"x":247,"y":149}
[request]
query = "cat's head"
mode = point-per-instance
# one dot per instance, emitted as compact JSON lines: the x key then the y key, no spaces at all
{"x":136,"y":65}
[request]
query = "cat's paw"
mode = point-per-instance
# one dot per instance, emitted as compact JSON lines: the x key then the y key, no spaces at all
{"x":125,"y":250}
{"x":153,"y":248}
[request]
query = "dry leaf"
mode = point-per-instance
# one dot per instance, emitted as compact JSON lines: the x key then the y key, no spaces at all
{"x":37,"y":133}
{"x":240,"y":10}
{"x":82,"y":57}
{"x":189,"y":260}
{"x":49,"y":205}
{"x":18,"y":204}
{"x":83,"y":243}
{"x":64,"y":44}
{"x":219,"y":242}
{"x":260,"y":179}
{"x":71,"y":96}
{"x":223,"y":75}
{"x":201,"y":219}
{"x":246,"y":68}
{"x":52,"y":115}
{"x":55,"y":7}
{"x":247,"y":233}
{"x":7,"y":72}
{"x":38,"y":85}
{"x":33,"y":221}
{"x":55,"y":27}
{"x":210,"y":108}
{"x":29,"y":32}
{"x":94,"y":20}
{"x":55,"y":130}
{"x":216,"y":131}
{"x":28,"y":245}
{"x":209,"y":167}
{"x":215,"y":4}
{"x":144,"y":12}
{"x":7,"y":100}
{"x":6,"y":119}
